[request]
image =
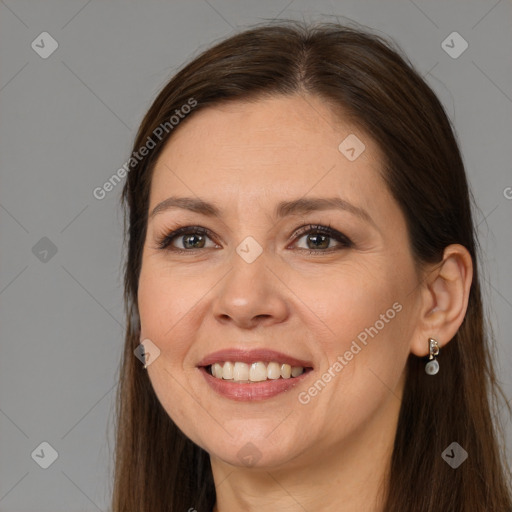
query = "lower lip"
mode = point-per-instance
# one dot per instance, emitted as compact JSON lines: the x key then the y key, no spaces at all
{"x":253,"y":391}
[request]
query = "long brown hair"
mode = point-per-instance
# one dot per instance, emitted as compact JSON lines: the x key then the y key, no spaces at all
{"x":157,"y":468}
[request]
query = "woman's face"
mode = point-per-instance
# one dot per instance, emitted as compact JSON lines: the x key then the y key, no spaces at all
{"x":342,"y":305}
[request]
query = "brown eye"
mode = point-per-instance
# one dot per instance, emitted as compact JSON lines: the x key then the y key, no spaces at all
{"x":317,"y":241}
{"x":193,"y":241}
{"x":189,"y":237}
{"x":319,"y":238}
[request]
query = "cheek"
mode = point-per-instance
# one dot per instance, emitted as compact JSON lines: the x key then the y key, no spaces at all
{"x":356,"y":302}
{"x":371,"y":326}
{"x":164,"y":294}
{"x":163,"y":307}
{"x":163,"y":314}
{"x":367,"y":358}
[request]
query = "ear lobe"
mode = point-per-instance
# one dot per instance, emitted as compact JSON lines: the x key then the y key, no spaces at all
{"x":446,"y":295}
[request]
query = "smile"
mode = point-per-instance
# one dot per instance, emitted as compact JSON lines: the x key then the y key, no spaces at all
{"x":252,"y":375}
{"x":256,"y":372}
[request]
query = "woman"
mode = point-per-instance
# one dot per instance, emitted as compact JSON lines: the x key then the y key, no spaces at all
{"x":302,"y":288}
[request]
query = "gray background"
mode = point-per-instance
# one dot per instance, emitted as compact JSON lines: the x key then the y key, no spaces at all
{"x":67,"y":124}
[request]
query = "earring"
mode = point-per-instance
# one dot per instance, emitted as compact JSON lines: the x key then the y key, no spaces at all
{"x":432,"y":367}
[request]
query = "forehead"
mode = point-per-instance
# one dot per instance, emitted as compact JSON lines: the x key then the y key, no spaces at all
{"x":275,"y":147}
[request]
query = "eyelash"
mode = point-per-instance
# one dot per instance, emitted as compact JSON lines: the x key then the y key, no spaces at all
{"x":164,"y":242}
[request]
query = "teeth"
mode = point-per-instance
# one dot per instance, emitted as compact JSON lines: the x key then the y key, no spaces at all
{"x":226,"y":371}
{"x":256,"y":372}
{"x":297,"y":370}
{"x":273,"y":371}
{"x":240,"y":371}
{"x":217,"y":370}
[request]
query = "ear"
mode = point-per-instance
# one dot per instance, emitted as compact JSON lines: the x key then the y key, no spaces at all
{"x":445,"y":294}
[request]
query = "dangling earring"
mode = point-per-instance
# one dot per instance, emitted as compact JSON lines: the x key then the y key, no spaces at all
{"x":432,"y":367}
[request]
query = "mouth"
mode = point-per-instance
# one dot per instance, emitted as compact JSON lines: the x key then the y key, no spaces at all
{"x":253,"y":375}
{"x":258,"y":371}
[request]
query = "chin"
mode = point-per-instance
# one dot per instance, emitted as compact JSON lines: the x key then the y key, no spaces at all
{"x":253,"y":449}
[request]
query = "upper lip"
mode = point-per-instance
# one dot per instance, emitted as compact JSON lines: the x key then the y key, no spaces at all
{"x":252,"y":356}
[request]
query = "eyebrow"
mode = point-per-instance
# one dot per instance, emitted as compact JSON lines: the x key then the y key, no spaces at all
{"x":283,"y":209}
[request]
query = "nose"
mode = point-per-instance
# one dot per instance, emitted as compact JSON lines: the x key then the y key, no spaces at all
{"x":251,"y":294}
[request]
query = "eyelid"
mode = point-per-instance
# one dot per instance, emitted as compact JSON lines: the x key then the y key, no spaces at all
{"x":326,"y":230}
{"x":165,"y":240}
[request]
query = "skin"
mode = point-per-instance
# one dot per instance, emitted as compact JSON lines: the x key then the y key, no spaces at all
{"x":332,"y":453}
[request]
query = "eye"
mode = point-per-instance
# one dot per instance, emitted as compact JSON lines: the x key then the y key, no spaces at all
{"x":191,"y":237}
{"x":194,"y":237}
{"x":318,"y":239}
